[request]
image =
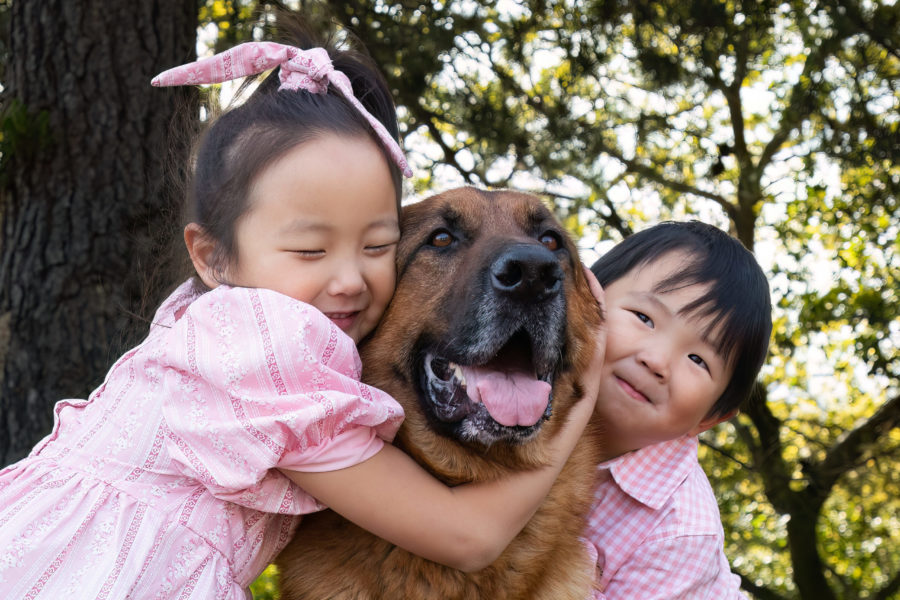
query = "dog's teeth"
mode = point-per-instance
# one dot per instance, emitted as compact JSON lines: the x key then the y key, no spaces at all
{"x":458,"y":373}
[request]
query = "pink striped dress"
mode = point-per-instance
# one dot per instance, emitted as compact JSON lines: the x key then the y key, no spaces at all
{"x":162,"y":484}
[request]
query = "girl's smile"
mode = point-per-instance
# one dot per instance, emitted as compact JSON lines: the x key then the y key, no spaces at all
{"x":344,"y":320}
{"x":323,"y":235}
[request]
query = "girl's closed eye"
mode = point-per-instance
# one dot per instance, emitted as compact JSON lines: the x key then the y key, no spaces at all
{"x":309,"y":254}
{"x":379,"y":249}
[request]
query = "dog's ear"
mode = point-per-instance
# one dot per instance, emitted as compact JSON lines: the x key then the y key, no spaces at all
{"x":201,"y":249}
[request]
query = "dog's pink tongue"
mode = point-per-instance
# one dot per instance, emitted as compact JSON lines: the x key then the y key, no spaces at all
{"x":512,"y":398}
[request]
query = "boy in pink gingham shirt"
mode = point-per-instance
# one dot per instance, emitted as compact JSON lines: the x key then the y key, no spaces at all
{"x":689,"y":320}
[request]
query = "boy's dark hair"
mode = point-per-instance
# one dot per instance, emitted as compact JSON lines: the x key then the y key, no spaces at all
{"x":246,"y":139}
{"x":738,"y":297}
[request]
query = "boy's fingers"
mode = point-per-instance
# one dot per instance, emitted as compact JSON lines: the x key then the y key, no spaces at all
{"x":592,"y":378}
{"x":599,"y":295}
{"x":594,"y":286}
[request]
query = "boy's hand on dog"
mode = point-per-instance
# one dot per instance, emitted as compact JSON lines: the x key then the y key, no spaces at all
{"x":582,"y":411}
{"x":592,"y":379}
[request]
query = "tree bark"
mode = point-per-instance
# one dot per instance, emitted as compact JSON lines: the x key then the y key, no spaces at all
{"x":88,"y":207}
{"x":809,"y":572}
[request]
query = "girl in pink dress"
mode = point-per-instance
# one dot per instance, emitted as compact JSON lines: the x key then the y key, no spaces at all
{"x":185,"y":473}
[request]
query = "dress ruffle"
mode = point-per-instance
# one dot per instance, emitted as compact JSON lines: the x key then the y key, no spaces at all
{"x":164,"y":484}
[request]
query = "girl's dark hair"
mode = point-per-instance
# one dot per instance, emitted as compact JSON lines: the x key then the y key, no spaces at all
{"x":246,"y":139}
{"x":738,"y":296}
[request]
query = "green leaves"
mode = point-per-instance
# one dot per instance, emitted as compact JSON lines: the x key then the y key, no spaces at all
{"x":775,"y":120}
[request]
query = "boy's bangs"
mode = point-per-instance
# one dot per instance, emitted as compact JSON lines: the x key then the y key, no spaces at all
{"x":726,"y":306}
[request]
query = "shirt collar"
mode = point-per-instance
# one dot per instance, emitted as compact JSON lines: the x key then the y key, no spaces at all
{"x":651,"y":475}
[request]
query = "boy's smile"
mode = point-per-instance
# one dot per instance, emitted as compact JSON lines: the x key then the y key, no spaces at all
{"x":630,"y":389}
{"x":662,"y":374}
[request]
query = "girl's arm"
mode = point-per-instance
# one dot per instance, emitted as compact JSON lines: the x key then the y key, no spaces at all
{"x":466,"y":527}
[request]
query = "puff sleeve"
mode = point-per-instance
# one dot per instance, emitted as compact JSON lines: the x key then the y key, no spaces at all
{"x":254,"y":380}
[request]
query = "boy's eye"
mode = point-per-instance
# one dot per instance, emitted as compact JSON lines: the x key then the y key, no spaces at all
{"x":699,"y":361}
{"x":643,"y":318}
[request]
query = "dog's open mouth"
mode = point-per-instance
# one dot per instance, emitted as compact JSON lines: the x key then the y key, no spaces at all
{"x":508,"y":386}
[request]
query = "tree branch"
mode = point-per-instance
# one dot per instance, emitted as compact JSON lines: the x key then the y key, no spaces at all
{"x":653,"y":175}
{"x":732,"y":95}
{"x":799,"y":106}
{"x":727,"y":455}
{"x":759,"y":592}
{"x":768,"y":453}
{"x":848,"y":453}
{"x":632,"y":165}
{"x":428,"y":118}
{"x":849,"y":11}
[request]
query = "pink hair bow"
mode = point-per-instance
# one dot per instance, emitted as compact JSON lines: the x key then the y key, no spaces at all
{"x":300,"y":69}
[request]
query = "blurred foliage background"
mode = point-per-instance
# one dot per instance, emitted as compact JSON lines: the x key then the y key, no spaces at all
{"x":775,"y":120}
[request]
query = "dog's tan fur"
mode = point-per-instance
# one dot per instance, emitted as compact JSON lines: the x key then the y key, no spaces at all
{"x":332,"y":558}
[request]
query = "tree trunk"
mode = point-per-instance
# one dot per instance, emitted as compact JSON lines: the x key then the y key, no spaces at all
{"x":87,"y":205}
{"x":809,"y":572}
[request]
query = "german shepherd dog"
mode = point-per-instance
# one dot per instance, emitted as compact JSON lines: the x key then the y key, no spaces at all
{"x":491,"y":306}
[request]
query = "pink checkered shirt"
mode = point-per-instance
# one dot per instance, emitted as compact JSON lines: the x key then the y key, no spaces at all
{"x":657,"y":530}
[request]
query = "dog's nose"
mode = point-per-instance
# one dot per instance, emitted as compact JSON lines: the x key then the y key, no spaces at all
{"x":527,"y":272}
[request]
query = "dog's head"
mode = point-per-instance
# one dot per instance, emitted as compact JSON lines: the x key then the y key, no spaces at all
{"x":490,"y":324}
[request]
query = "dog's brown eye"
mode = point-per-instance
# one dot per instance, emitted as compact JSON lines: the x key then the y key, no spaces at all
{"x":441,"y":238}
{"x":551,"y":241}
